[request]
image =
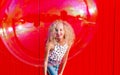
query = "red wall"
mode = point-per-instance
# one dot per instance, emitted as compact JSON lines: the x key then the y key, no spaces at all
{"x":100,"y":57}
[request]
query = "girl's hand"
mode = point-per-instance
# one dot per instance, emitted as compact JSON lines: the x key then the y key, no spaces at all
{"x":60,"y":74}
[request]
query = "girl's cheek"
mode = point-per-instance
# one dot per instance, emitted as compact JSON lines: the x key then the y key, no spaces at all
{"x":54,"y":34}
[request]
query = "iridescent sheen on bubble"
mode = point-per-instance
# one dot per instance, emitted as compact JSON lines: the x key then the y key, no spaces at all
{"x":24,"y":25}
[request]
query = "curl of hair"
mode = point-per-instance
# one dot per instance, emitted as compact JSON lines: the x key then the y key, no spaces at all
{"x":69,"y":32}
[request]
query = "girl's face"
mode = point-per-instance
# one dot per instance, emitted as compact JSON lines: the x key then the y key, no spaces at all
{"x":59,"y":31}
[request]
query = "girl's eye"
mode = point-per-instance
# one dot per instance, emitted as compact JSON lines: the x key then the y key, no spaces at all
{"x":56,"y":29}
{"x":61,"y":29}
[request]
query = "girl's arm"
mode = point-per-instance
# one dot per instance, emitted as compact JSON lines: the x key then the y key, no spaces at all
{"x":64,"y":62}
{"x":48,"y":47}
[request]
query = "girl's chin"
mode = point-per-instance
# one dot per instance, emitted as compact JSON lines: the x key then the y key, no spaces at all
{"x":58,"y":39}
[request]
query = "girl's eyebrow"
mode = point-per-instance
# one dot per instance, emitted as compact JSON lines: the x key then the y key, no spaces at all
{"x":56,"y":29}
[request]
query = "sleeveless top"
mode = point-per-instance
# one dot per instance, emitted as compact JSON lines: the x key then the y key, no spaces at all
{"x":56,"y":55}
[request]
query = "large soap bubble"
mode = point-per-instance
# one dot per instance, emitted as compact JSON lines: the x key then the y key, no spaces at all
{"x":24,"y":25}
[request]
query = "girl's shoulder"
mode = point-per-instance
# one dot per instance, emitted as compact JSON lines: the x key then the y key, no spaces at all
{"x":50,"y":45}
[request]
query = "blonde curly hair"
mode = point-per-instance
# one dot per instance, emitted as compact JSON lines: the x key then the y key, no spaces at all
{"x":69,"y":35}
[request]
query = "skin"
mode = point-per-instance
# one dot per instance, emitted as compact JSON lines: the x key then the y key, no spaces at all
{"x":59,"y":37}
{"x":59,"y":33}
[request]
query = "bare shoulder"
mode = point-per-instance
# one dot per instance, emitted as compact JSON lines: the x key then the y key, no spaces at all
{"x":49,"y":46}
{"x":69,"y":46}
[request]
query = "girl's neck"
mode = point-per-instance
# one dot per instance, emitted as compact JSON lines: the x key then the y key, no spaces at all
{"x":60,"y":41}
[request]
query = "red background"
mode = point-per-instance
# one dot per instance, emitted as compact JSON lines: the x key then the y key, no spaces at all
{"x":100,"y":57}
